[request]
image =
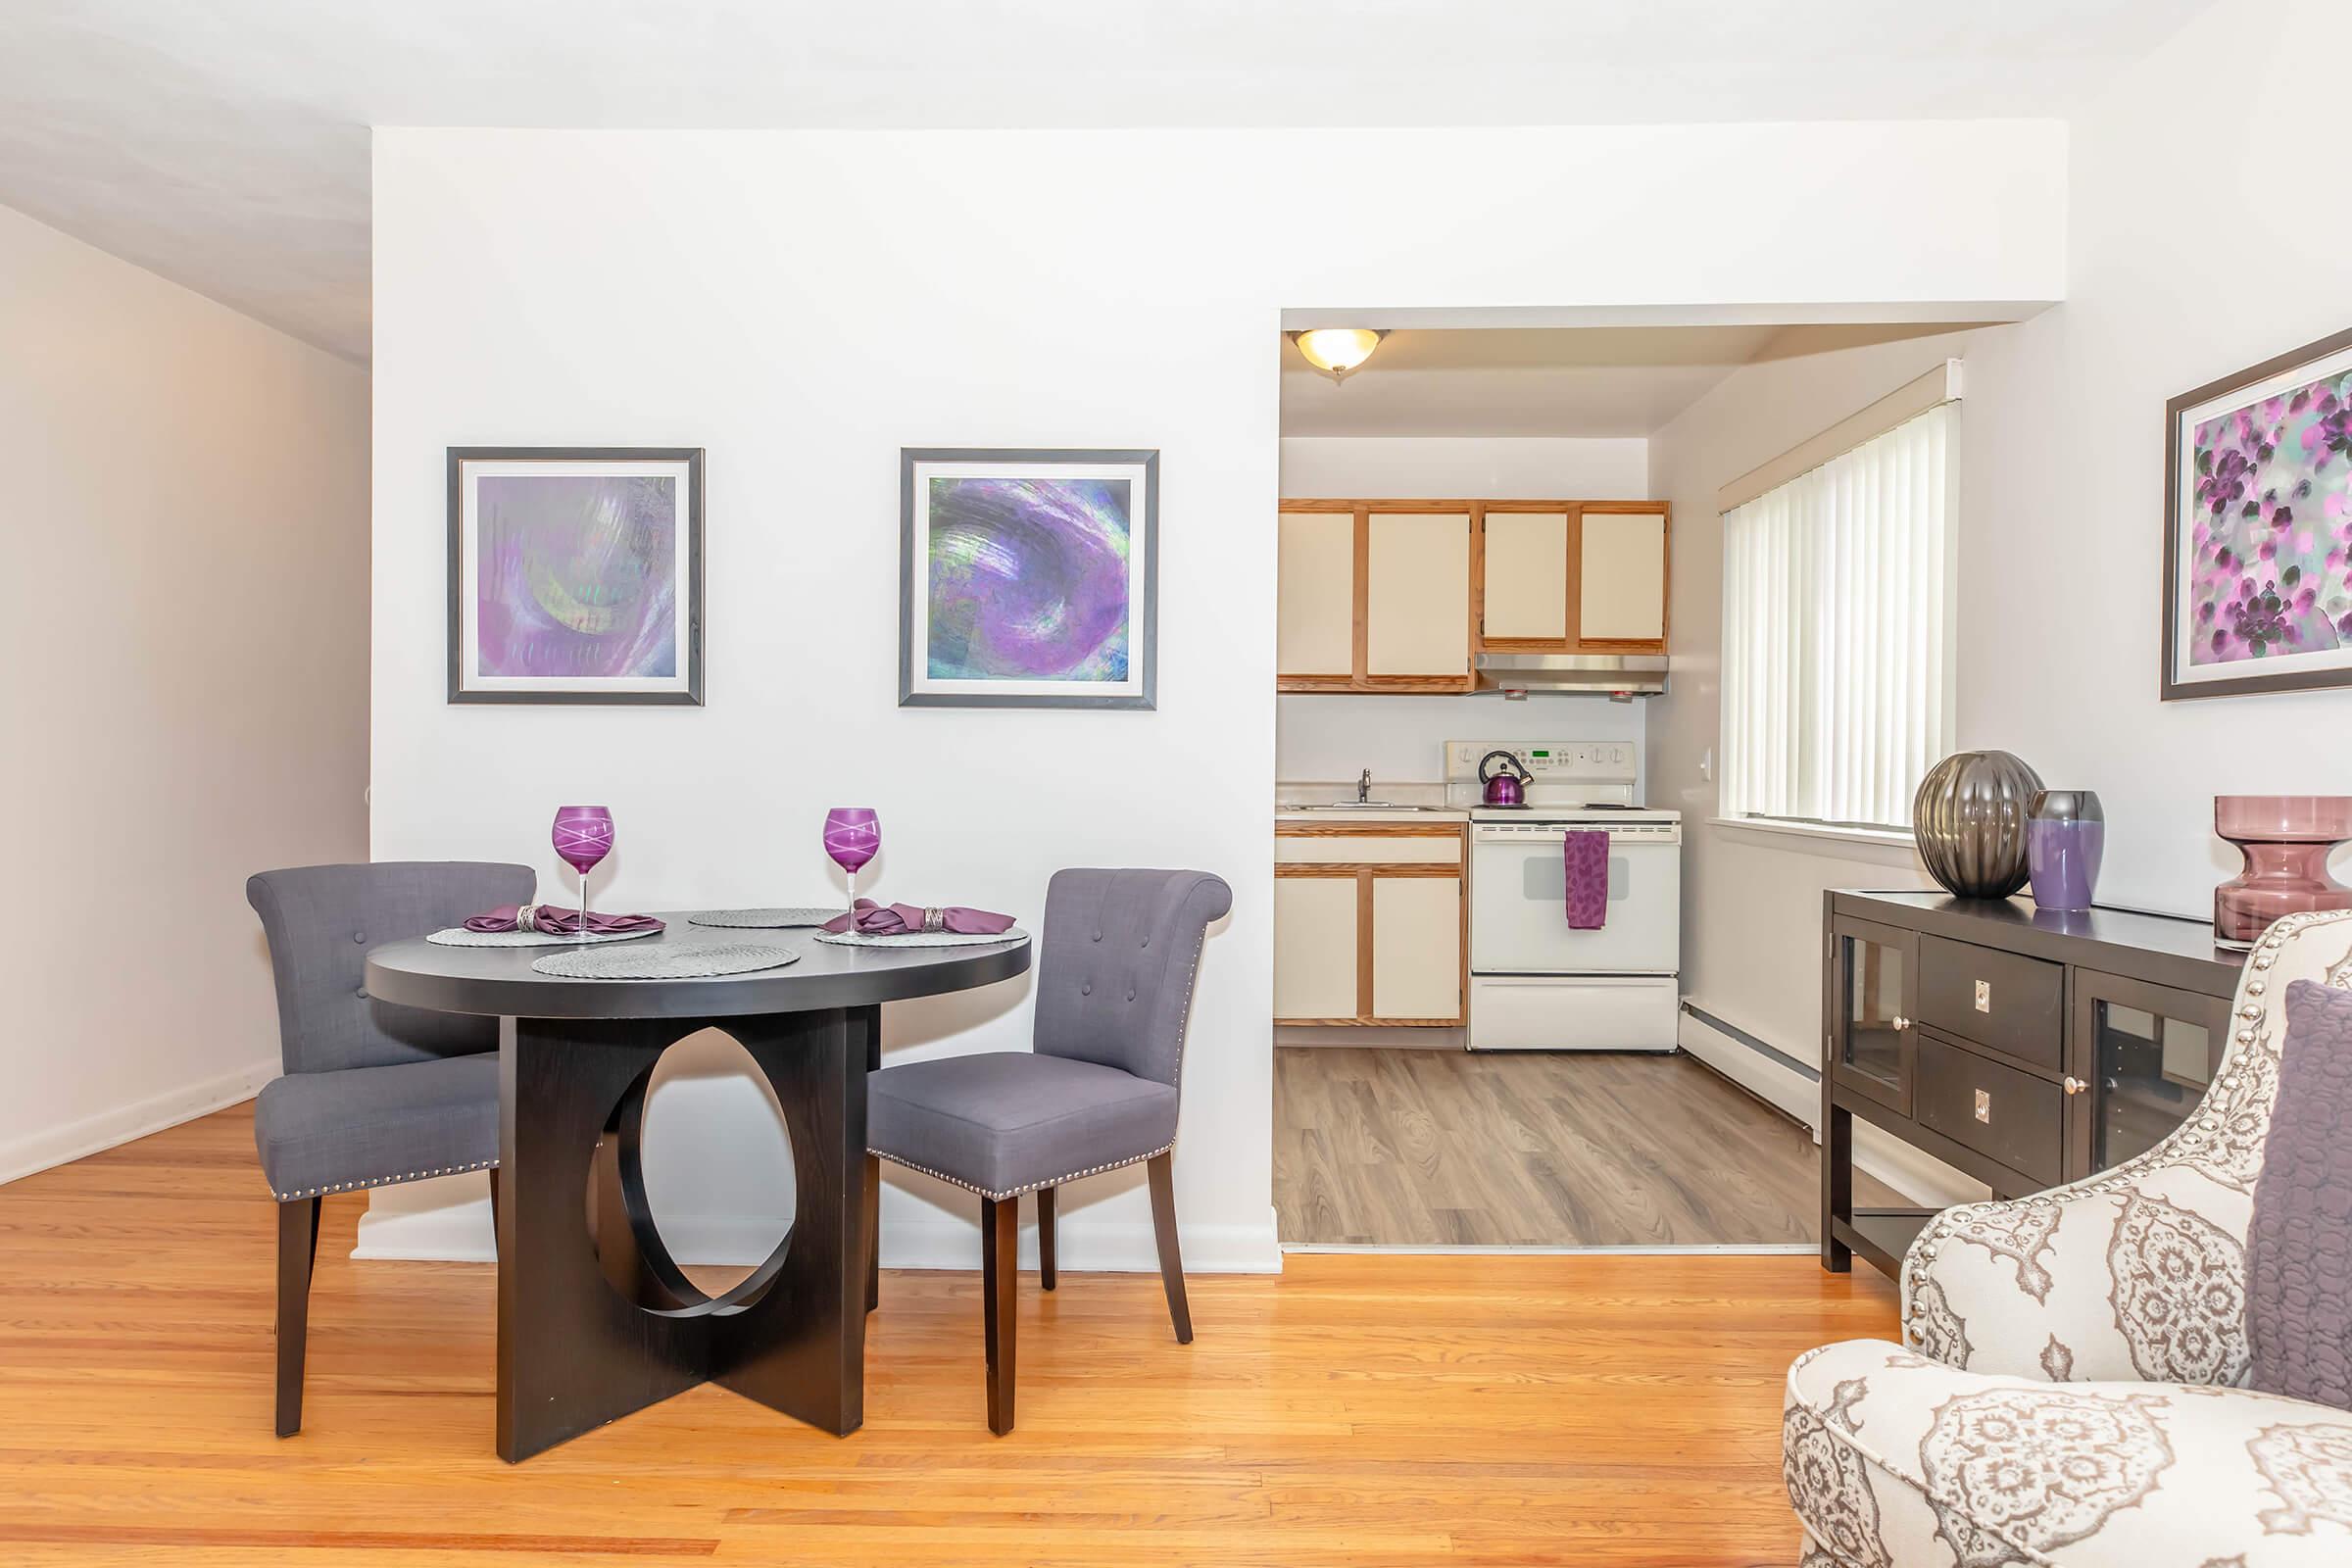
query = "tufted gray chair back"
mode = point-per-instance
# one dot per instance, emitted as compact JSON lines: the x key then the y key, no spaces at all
{"x":321,"y":920}
{"x":1115,"y":982}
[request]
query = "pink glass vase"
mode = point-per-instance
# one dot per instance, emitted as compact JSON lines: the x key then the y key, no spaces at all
{"x":2286,"y":840}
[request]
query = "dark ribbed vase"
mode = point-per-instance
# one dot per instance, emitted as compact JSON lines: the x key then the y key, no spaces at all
{"x":1969,"y":819}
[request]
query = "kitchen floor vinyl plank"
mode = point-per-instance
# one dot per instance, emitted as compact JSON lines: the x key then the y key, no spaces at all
{"x":1426,"y":1147}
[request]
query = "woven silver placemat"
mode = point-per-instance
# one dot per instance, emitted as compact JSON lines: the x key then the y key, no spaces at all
{"x":763,"y":919}
{"x":922,"y":939}
{"x":457,"y":936}
{"x":664,"y":962}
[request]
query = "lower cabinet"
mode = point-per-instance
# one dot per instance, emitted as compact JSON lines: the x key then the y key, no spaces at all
{"x":1368,"y":923}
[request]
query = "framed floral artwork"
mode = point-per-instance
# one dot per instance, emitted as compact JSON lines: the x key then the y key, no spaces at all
{"x":2258,"y":528}
{"x":575,"y":574}
{"x":1028,"y":579}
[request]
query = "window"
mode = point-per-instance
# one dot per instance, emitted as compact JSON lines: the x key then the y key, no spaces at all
{"x":1836,"y":630}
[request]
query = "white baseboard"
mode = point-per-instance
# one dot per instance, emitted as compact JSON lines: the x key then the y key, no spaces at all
{"x":1923,"y":1178}
{"x":55,"y":1145}
{"x":1776,"y":1083}
{"x":460,"y":1232}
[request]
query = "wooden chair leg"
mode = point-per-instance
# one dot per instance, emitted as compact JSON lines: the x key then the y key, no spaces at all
{"x":498,"y":1199}
{"x":1045,"y":1237}
{"x":297,"y":1250}
{"x":1000,"y":1299}
{"x":1162,"y":1171}
{"x":874,"y":1232}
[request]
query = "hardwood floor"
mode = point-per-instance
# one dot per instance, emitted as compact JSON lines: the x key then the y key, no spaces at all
{"x":1448,"y":1148}
{"x":1374,"y":1412}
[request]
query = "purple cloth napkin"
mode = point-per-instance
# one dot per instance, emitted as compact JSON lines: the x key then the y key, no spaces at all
{"x":1588,"y":865}
{"x":897,"y":919}
{"x":548,"y":918}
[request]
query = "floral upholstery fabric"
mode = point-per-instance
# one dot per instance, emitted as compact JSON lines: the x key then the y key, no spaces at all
{"x":1954,"y":1451}
{"x":1894,"y":1460}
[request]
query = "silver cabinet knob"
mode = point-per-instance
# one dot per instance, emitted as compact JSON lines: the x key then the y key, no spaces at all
{"x":1901,"y":1022}
{"x":2074,"y":1086}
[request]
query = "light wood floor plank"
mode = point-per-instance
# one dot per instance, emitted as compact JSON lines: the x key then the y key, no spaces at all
{"x":1371,"y":1412}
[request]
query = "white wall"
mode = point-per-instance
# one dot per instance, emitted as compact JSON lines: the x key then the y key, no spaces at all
{"x":1319,"y":737}
{"x":2061,"y":507}
{"x":186,"y":633}
{"x":2061,"y":554}
{"x":801,"y":304}
{"x":1477,"y":467}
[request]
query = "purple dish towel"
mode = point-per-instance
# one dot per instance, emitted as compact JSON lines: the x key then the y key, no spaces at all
{"x":898,"y":919}
{"x":546,"y":918}
{"x":1587,"y":865}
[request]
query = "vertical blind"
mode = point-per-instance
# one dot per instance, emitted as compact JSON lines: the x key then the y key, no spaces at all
{"x":1836,"y":628}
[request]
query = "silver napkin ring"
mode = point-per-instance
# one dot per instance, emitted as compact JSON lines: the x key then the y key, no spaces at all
{"x":935,"y":919}
{"x":526,"y":917}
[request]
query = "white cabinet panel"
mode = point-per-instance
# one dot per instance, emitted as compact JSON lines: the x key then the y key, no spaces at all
{"x":1315,"y":617}
{"x":1621,"y":594}
{"x":1527,"y":575}
{"x":1314,"y":947}
{"x":1416,"y":946}
{"x":1417,"y":609}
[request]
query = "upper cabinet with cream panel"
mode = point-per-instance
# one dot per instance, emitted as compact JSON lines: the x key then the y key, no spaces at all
{"x":1621,"y":577}
{"x":1399,"y":596}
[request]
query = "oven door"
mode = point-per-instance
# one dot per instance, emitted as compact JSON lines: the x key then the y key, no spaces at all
{"x":1519,"y":901}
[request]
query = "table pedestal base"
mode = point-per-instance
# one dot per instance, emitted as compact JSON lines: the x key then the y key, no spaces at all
{"x":575,"y":1349}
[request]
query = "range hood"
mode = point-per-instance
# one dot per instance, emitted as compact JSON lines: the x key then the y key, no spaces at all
{"x":1606,"y":674}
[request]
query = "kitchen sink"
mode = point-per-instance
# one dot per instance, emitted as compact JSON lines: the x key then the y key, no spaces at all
{"x":1364,"y":806}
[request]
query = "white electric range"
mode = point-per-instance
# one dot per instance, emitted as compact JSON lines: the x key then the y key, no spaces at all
{"x":1536,"y":983}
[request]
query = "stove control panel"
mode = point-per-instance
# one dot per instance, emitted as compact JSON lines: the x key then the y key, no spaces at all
{"x":1553,"y":762}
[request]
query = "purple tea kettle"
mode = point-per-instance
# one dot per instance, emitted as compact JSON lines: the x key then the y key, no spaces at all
{"x":1508,"y":787}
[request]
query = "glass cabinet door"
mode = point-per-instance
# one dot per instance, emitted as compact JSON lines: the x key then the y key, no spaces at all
{"x":1875,"y":976}
{"x":2151,"y":1053}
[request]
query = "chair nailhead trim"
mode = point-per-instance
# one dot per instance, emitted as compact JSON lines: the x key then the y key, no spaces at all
{"x":998,"y":1197}
{"x":385,"y":1181}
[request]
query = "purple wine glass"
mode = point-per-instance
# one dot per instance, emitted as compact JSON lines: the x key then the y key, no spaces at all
{"x":584,"y":836}
{"x":853,"y":833}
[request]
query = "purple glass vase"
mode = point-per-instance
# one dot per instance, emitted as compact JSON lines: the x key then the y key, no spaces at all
{"x":2065,"y":833}
{"x":2286,"y":840}
{"x":853,"y":835}
{"x":582,"y":836}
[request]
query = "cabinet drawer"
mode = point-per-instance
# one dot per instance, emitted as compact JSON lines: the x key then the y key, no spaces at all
{"x":1998,"y":1112}
{"x":2002,"y":1000}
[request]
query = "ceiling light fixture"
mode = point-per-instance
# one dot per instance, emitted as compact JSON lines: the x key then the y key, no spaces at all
{"x":1337,"y":351}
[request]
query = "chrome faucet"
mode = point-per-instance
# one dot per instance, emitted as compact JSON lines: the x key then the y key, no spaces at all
{"x":1364,"y":787}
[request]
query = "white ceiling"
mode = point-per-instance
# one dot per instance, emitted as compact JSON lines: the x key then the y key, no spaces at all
{"x":224,"y":144}
{"x":1550,"y":381}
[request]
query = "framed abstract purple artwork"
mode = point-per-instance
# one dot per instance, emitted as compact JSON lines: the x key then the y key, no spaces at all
{"x":2258,"y":528}
{"x":575,"y":574}
{"x":1028,"y":579}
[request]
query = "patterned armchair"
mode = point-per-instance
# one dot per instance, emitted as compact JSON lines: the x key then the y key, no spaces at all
{"x":2070,"y":1386}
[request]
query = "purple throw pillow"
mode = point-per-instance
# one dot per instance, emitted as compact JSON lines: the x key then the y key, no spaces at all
{"x":2299,"y":1254}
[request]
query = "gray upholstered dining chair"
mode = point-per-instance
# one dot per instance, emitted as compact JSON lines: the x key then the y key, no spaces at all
{"x":1100,"y":1091}
{"x":373,"y":1094}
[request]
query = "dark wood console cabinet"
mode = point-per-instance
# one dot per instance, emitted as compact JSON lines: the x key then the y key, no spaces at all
{"x":2025,"y":1047}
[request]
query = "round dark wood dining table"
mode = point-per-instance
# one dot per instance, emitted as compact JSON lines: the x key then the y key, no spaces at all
{"x":595,"y":1318}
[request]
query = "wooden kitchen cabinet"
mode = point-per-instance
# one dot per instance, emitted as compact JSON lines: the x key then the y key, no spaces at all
{"x":1368,"y":923}
{"x":1417,"y":596}
{"x":1621,"y":569}
{"x":1524,"y":579}
{"x":1315,"y":617}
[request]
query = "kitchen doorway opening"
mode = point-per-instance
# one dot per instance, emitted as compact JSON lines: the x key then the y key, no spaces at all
{"x":1496,"y":878}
